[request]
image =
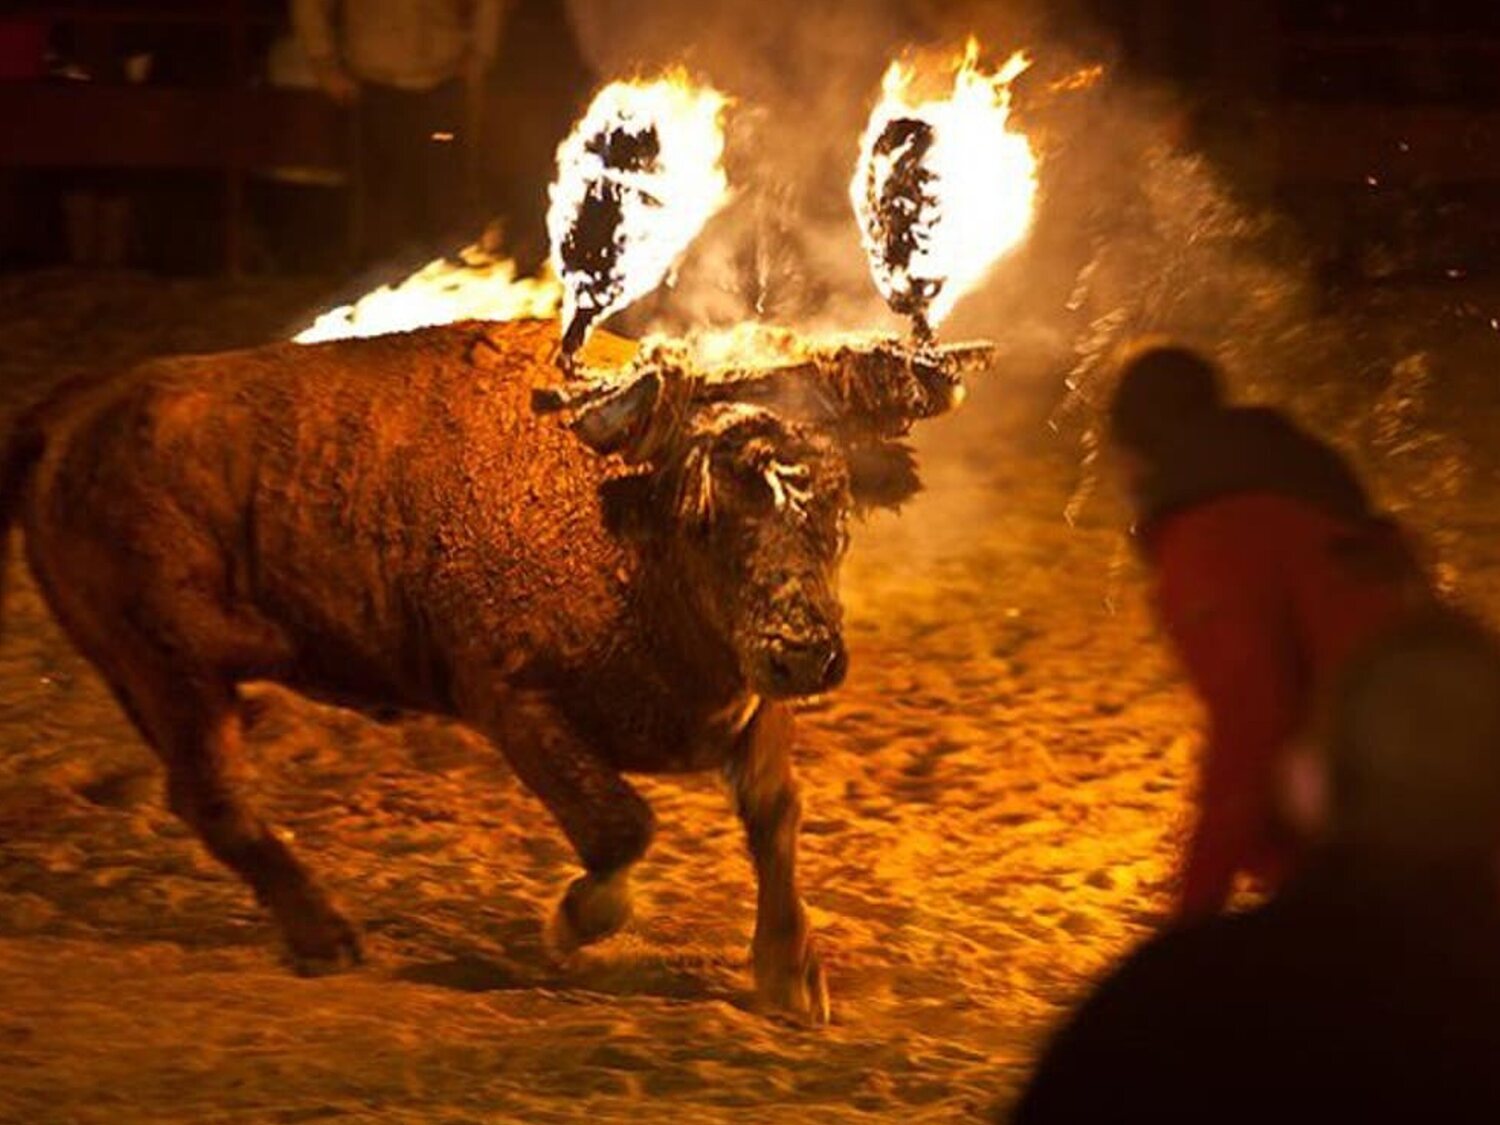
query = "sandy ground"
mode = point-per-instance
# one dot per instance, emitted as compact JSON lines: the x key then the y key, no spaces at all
{"x":992,"y":800}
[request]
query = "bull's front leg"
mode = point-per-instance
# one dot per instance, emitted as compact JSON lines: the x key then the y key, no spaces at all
{"x":608,"y":823}
{"x":788,"y":972}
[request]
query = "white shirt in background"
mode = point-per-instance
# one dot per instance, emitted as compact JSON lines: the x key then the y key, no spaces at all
{"x":408,"y":44}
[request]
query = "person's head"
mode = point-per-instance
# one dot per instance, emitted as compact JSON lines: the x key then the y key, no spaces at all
{"x":1408,"y":768}
{"x":1160,"y":389}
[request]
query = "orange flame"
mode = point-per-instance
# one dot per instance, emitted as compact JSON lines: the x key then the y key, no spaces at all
{"x":982,"y":187}
{"x":474,"y":286}
{"x":662,"y":200}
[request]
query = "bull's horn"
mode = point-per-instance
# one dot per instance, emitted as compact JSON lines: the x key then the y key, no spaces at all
{"x":876,"y":390}
{"x":610,"y":418}
{"x":866,"y":392}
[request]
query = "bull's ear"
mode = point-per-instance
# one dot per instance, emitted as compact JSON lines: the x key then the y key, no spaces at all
{"x":882,"y":474}
{"x":620,"y":421}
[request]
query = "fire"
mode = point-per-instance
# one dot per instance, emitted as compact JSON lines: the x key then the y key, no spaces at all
{"x":637,"y":180}
{"x":474,"y":286}
{"x":943,"y":188}
{"x":747,"y":343}
{"x":750,"y":344}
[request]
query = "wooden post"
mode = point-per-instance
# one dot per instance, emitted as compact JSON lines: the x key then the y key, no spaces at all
{"x":1158,"y":37}
{"x":1245,"y":47}
{"x":1245,"y":59}
{"x":475,"y":95}
{"x":234,"y":183}
{"x":355,"y":185}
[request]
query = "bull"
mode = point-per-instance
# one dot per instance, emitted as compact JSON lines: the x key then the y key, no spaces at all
{"x":396,"y":522}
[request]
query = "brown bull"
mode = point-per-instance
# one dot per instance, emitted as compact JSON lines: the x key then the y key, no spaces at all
{"x":389,"y":522}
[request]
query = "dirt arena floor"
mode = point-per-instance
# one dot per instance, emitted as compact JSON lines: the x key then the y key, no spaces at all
{"x":993,"y":800}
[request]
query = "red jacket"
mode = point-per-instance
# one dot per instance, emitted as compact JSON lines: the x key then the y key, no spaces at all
{"x":1265,"y":595}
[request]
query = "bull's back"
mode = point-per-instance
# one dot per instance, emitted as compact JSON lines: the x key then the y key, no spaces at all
{"x":386,"y":504}
{"x":423,"y":503}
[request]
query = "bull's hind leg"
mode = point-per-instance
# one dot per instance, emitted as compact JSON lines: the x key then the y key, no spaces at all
{"x":159,"y":624}
{"x":155,"y":615}
{"x":608,"y":823}
{"x":194,"y":724}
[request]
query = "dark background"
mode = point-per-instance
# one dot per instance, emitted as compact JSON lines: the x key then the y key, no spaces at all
{"x":1358,"y":117}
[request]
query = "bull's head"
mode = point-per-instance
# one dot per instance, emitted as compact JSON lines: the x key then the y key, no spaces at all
{"x":749,"y":483}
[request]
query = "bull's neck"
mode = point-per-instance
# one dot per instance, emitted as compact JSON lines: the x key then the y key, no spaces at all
{"x":699,"y":662}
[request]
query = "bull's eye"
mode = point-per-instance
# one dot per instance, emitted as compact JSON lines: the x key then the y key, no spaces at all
{"x":748,"y":484}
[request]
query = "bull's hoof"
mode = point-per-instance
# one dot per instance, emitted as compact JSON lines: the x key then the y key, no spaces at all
{"x":791,"y":982}
{"x":321,"y":943}
{"x":592,"y":909}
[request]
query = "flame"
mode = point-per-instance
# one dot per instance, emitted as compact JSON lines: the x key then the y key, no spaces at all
{"x":662,"y":207}
{"x":637,"y":179}
{"x":975,"y":185}
{"x":750,"y":344}
{"x":1082,"y":79}
{"x":474,"y":286}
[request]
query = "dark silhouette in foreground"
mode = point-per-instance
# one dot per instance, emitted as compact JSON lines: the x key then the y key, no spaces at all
{"x":1369,"y":989}
{"x":1270,"y":568}
{"x":388,"y":522}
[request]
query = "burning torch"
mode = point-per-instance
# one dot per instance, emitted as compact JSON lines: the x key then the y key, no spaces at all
{"x":943,"y":188}
{"x":637,"y":179}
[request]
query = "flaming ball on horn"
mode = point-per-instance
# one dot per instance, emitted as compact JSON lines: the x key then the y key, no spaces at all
{"x":942,"y":191}
{"x":943,"y":188}
{"x":902,"y":203}
{"x":637,"y":179}
{"x":590,"y":250}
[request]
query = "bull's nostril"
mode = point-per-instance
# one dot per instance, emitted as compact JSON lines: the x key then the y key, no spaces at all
{"x":781,"y":671}
{"x":801,"y":665}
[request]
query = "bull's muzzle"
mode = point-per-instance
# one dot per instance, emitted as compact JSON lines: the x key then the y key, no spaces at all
{"x":795,"y":666}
